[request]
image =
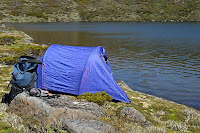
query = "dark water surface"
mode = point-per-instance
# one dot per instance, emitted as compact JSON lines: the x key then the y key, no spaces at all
{"x":162,"y":59}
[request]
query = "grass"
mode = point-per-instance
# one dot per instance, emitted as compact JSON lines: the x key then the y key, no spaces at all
{"x":104,"y":10}
{"x":7,"y":40}
{"x":10,"y":123}
{"x":99,"y":98}
{"x":17,"y":51}
{"x":7,"y":128}
{"x":14,"y":43}
{"x":5,"y":77}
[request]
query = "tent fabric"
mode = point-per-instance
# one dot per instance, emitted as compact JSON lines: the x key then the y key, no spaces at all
{"x":78,"y":70}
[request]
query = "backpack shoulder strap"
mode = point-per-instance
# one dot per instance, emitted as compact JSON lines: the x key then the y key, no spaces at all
{"x":31,"y":61}
{"x":28,"y":59}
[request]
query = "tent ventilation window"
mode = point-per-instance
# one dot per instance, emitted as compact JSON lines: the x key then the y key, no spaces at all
{"x":105,"y":58}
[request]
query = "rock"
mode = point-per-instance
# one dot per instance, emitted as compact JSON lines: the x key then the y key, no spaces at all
{"x":64,"y":101}
{"x":88,"y":126}
{"x":51,"y":111}
{"x":132,"y":114}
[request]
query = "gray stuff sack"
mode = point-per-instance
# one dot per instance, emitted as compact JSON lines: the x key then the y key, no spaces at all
{"x":38,"y":92}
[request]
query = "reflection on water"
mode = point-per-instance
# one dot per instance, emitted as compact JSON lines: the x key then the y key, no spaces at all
{"x":155,"y":58}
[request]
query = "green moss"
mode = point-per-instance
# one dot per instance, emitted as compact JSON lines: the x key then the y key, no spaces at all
{"x":31,"y":122}
{"x":16,"y":52}
{"x":7,"y":129}
{"x":6,"y":70}
{"x":55,"y":129}
{"x":167,"y":117}
{"x":5,"y":74}
{"x":194,"y":129}
{"x":100,"y":98}
{"x":171,"y":113}
{"x":50,"y":129}
{"x":2,"y":115}
{"x":7,"y":40}
{"x":8,"y":60}
{"x":37,"y":50}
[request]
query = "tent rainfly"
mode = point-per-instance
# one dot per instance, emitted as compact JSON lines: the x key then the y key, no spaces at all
{"x":77,"y":70}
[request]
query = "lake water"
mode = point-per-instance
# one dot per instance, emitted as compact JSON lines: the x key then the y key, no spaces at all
{"x":162,"y":59}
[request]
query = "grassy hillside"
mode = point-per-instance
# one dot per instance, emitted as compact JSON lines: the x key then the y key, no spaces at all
{"x":99,"y":10}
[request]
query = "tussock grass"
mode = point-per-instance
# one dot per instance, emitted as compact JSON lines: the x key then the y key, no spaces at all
{"x":193,"y":117}
{"x":10,"y":122}
{"x":176,"y":126}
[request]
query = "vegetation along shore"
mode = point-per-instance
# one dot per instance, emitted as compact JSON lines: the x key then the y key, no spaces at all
{"x":104,"y":10}
{"x":147,"y":114}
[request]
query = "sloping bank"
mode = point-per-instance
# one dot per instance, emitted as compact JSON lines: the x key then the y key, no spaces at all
{"x":103,"y":10}
{"x":66,"y":114}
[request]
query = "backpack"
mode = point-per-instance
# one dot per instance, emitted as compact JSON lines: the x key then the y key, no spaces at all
{"x":24,"y":77}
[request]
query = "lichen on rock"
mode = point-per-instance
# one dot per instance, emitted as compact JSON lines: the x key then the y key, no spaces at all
{"x":132,"y":114}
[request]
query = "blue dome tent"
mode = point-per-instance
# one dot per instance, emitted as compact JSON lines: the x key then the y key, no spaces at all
{"x":77,"y":70}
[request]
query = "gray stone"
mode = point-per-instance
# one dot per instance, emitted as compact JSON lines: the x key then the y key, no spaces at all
{"x":68,"y":102}
{"x":51,"y":111}
{"x":88,"y":126}
{"x":132,"y":114}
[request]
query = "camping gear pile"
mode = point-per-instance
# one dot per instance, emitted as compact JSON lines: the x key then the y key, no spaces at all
{"x":66,"y":69}
{"x":24,"y":78}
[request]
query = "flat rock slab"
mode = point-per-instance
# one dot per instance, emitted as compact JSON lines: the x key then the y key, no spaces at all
{"x":51,"y":111}
{"x":88,"y":126}
{"x":67,"y":102}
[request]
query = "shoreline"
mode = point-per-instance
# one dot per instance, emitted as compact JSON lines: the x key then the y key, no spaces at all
{"x":26,"y":39}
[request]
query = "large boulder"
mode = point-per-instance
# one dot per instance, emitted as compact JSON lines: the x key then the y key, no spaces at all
{"x":132,"y":114}
{"x":88,"y":126}
{"x":54,"y":110}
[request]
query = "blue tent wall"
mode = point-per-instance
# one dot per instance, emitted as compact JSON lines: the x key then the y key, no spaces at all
{"x":77,"y":70}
